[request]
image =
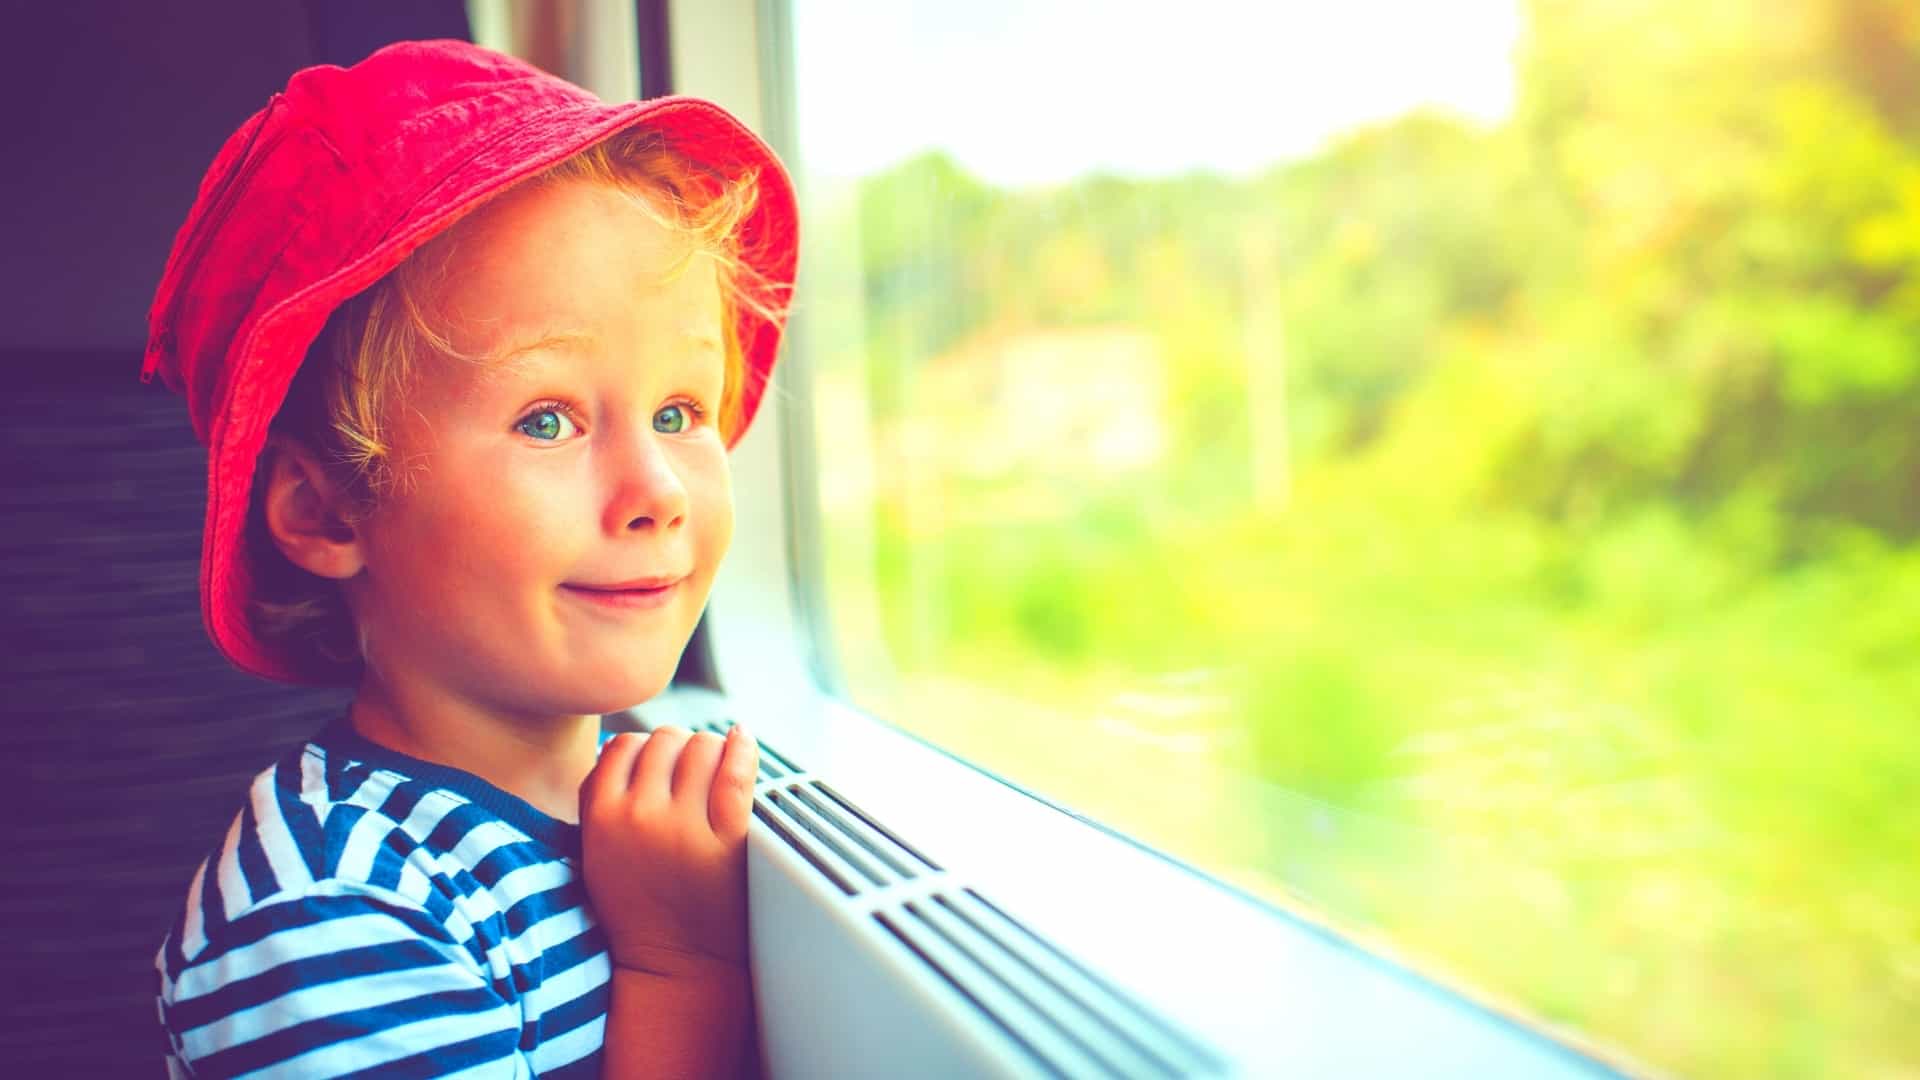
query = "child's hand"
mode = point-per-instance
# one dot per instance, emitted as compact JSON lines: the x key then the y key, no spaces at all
{"x":663,"y":821}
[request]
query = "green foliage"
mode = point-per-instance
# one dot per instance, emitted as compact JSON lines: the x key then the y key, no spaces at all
{"x":1598,"y":573}
{"x":1319,"y":726}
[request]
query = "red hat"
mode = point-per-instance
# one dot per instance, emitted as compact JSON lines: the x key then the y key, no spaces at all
{"x":332,"y":185}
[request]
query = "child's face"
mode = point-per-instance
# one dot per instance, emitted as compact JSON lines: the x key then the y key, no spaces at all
{"x":528,"y":486}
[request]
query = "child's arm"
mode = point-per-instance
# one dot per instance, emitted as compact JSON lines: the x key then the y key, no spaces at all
{"x":663,"y":830}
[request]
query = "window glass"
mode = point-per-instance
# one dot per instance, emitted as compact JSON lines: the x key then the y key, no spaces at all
{"x":1452,"y":468}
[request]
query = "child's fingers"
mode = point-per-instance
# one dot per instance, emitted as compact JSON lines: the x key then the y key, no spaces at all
{"x":731,"y":801}
{"x":693,"y":776}
{"x":653,"y":773}
{"x":610,"y":775}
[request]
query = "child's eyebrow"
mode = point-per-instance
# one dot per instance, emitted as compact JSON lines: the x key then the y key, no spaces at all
{"x":561,"y":340}
{"x":519,"y":359}
{"x":699,"y":337}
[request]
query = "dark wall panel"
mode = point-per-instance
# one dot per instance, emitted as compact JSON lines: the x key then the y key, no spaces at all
{"x":114,"y":111}
{"x":126,"y":741}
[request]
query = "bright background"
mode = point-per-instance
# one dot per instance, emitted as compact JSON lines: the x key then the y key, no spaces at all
{"x":1454,"y":468}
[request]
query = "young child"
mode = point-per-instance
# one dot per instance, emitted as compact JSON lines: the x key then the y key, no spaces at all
{"x":467,"y":347}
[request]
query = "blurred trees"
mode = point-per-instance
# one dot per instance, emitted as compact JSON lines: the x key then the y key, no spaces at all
{"x":1617,"y":402}
{"x":1689,"y":260}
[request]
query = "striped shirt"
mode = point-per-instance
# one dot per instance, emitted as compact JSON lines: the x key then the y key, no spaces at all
{"x":372,"y":911}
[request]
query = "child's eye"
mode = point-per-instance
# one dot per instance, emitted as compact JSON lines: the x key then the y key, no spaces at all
{"x":547,"y":425}
{"x":671,"y":420}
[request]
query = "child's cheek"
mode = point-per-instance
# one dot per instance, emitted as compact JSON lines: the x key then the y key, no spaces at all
{"x":478,"y":502}
{"x":532,"y":501}
{"x":710,"y":483}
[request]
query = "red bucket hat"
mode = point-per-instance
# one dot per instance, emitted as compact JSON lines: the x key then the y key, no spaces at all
{"x":332,"y":185}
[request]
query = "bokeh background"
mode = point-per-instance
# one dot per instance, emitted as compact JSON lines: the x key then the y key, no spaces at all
{"x":1485,"y":517}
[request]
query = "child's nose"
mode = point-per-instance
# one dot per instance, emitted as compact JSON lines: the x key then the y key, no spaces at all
{"x":649,"y":493}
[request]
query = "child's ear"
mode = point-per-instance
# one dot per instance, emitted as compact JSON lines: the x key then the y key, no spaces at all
{"x":307,"y":514}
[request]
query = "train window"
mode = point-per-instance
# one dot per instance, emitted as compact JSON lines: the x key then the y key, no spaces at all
{"x":1450,"y":468}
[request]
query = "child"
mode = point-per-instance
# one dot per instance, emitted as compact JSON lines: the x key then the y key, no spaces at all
{"x":492,"y":501}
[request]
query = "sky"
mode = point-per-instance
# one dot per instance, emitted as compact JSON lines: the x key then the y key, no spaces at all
{"x":1038,"y":92}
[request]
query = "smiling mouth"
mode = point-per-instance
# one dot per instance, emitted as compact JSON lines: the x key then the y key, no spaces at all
{"x":627,"y":595}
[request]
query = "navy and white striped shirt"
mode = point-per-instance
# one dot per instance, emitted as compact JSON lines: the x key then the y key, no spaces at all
{"x":369,"y":910}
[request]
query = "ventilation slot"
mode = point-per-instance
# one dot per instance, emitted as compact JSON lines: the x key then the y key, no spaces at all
{"x":866,"y":861}
{"x":900,"y":856}
{"x":788,"y":832}
{"x":1069,"y":1019}
{"x":773,"y":766}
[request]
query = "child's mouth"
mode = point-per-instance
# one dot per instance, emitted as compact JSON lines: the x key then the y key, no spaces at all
{"x":627,"y":595}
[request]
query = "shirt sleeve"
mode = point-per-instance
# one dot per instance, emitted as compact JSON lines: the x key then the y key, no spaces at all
{"x":332,"y":984}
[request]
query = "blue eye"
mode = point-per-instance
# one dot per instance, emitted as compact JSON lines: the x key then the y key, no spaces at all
{"x":671,"y":420}
{"x":547,"y":425}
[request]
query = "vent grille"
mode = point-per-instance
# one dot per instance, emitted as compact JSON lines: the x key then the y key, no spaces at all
{"x":905,"y":860}
{"x":1070,"y":1020}
{"x":852,"y":849}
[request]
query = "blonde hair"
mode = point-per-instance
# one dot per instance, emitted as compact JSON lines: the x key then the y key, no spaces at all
{"x":372,"y":345}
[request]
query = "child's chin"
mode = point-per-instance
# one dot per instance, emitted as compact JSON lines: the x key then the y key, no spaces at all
{"x":613,"y":695}
{"x":605,"y":682}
